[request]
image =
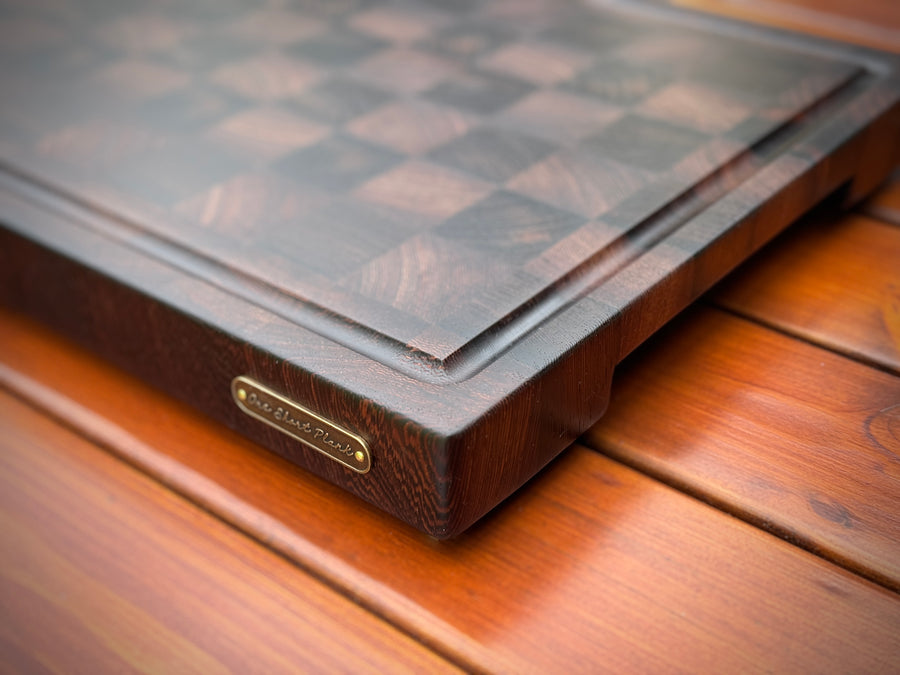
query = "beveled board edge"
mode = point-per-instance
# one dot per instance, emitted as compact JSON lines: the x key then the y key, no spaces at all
{"x":878,"y":69}
{"x":430,"y":431}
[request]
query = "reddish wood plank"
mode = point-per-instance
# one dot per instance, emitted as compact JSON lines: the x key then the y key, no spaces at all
{"x":104,"y":570}
{"x":830,"y":281}
{"x":593,"y":566}
{"x":791,"y":437}
{"x":874,"y":23}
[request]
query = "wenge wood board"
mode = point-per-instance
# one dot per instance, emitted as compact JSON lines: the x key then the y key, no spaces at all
{"x":437,"y":227}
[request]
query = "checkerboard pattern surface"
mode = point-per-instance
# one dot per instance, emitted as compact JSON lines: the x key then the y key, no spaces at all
{"x":419,"y":169}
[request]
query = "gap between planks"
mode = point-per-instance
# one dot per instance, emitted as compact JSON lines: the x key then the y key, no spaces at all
{"x":77,"y":515}
{"x":615,"y":436}
{"x":110,"y":438}
{"x":797,"y":336}
{"x":693,"y":564}
{"x":830,"y":280}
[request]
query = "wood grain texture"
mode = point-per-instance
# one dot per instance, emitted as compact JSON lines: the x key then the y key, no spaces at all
{"x":793,"y":438}
{"x":593,"y":567}
{"x":423,"y":224}
{"x":587,"y":573}
{"x":874,"y":23}
{"x":357,"y":209}
{"x":104,"y":570}
{"x":832,"y":281}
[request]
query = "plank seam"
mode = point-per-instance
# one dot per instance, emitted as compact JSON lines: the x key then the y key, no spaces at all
{"x":746,"y":515}
{"x":62,"y":410}
{"x":858,"y":358}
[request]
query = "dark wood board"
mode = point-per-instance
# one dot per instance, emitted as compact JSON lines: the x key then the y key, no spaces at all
{"x":885,"y":204}
{"x":439,"y":228}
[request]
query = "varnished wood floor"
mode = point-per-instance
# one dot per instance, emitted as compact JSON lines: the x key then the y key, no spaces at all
{"x":737,"y":510}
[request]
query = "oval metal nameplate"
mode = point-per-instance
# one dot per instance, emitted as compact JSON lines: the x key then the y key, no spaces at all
{"x":304,"y":425}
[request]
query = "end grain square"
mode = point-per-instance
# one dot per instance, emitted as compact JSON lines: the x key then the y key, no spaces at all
{"x":438,"y":226}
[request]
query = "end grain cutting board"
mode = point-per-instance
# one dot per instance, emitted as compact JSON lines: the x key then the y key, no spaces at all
{"x":404,"y":244}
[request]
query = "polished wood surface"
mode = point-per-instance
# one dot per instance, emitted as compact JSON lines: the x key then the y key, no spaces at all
{"x":115,"y":573}
{"x":438,"y":226}
{"x":797,"y":439}
{"x":759,"y":539}
{"x":832,"y":281}
{"x":590,"y":547}
{"x":873,"y":23}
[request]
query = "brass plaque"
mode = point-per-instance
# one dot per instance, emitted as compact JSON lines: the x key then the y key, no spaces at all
{"x":304,"y":425}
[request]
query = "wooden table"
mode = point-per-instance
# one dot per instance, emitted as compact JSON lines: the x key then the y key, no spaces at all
{"x":738,"y":508}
